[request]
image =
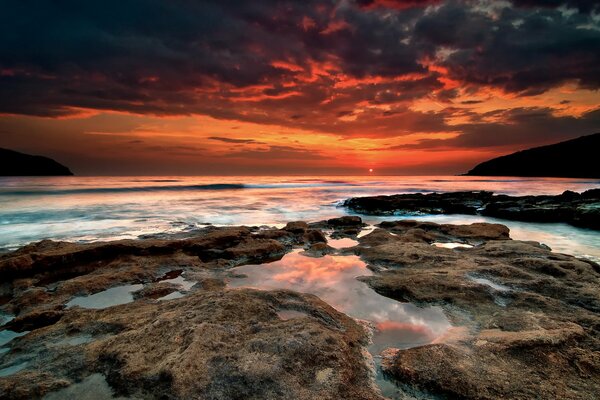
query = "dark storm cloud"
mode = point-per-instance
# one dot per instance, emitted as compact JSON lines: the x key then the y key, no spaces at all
{"x":520,"y":127}
{"x":183,"y":57}
{"x":519,"y":50}
{"x":581,"y":5}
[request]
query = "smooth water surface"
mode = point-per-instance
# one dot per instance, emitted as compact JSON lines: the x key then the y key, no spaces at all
{"x":180,"y":281}
{"x":106,"y":298}
{"x":333,"y":279}
{"x":7,"y":336}
{"x":106,"y":208}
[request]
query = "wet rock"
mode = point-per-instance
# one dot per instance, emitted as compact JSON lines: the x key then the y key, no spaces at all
{"x":573,"y":208}
{"x":217,"y":345}
{"x":431,"y":232}
{"x":156,"y":290}
{"x":345,"y":221}
{"x":529,"y":316}
{"x":34,"y":320}
{"x":526,"y":320}
{"x":296,"y":227}
{"x":319,"y":250}
{"x":314,"y":236}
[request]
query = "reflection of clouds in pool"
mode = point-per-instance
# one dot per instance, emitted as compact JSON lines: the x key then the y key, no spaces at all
{"x":452,"y":245}
{"x":333,"y":279}
{"x":342,"y":243}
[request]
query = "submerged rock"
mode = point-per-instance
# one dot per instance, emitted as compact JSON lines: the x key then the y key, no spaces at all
{"x":578,"y":209}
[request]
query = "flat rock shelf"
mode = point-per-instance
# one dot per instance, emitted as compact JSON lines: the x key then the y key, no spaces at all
{"x":330,"y":309}
{"x":578,"y":209}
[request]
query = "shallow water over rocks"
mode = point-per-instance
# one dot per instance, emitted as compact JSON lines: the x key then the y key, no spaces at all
{"x":333,"y":279}
{"x":107,"y":298}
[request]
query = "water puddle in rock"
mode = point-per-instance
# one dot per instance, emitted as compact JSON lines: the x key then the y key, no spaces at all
{"x":106,"y":298}
{"x":180,"y":281}
{"x":333,"y":279}
{"x":290,"y":314}
{"x":13,"y":369}
{"x":452,"y":245}
{"x":94,"y":387}
{"x":7,"y":335}
{"x":5,"y":318}
{"x":73,"y":341}
{"x":342,"y":243}
{"x":486,"y":282}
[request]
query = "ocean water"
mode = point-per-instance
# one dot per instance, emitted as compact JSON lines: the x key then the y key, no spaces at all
{"x":106,"y":208}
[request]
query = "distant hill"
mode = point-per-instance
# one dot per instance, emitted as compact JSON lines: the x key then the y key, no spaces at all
{"x":13,"y":163}
{"x":576,"y":158}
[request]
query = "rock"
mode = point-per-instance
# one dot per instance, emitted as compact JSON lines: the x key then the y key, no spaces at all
{"x":13,"y":163}
{"x":576,"y":159}
{"x":581,"y":210}
{"x":34,"y":320}
{"x":214,"y":345}
{"x":319,"y":250}
{"x":430,"y":231}
{"x":314,"y":236}
{"x":296,"y":227}
{"x":527,"y":319}
{"x":156,"y":290}
{"x":351,"y":221}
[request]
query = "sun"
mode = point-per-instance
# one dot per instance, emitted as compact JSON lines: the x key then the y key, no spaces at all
{"x":370,"y":169}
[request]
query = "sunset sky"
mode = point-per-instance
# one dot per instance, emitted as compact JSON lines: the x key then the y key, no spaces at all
{"x":185,"y":87}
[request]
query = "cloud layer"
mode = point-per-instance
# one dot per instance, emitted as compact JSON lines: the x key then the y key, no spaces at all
{"x":379,"y":69}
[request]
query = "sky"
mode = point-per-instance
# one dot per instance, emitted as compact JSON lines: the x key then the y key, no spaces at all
{"x":406,"y":87}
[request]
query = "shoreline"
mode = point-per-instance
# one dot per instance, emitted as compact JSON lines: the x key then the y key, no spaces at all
{"x":509,"y":303}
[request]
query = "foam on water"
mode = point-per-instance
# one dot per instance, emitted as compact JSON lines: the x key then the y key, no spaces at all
{"x":107,"y":208}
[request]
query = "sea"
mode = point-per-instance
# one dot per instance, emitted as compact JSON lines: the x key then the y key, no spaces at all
{"x":85,"y":209}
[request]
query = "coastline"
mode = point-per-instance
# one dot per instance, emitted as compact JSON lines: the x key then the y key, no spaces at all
{"x":512,"y":307}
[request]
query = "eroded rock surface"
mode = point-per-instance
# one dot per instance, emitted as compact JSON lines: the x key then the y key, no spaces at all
{"x":210,"y":343}
{"x":528,"y":319}
{"x":579,"y":209}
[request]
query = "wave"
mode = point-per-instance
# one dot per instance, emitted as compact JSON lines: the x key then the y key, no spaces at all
{"x":172,"y":188}
{"x":166,"y":188}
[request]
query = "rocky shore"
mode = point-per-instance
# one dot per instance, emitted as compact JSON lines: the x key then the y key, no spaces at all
{"x":525,"y":320}
{"x":578,"y":209}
